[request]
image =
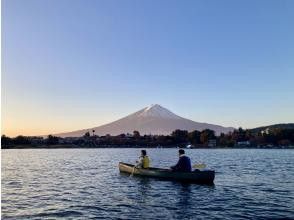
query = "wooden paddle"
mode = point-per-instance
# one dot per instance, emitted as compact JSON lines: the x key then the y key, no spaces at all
{"x":199,"y":166}
{"x":132,"y":174}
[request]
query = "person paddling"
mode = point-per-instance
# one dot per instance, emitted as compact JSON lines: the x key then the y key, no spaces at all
{"x":144,"y":161}
{"x":184,"y":163}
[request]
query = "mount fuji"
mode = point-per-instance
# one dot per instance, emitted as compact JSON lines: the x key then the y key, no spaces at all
{"x":154,"y":119}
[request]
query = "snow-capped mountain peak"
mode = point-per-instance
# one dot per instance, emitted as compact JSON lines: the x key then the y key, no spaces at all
{"x":158,"y":111}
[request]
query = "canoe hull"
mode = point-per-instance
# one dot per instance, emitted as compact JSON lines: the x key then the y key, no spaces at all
{"x":203,"y":177}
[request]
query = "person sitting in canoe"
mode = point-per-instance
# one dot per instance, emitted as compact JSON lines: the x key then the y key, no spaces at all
{"x":184,"y":163}
{"x":144,"y":161}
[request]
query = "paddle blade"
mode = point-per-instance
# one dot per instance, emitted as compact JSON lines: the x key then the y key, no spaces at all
{"x":132,"y":174}
{"x":199,"y":166}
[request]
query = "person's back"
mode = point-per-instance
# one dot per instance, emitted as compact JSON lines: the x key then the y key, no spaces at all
{"x":145,"y":162}
{"x":184,"y":163}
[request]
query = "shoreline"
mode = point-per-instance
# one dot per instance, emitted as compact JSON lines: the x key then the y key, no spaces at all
{"x":129,"y":147}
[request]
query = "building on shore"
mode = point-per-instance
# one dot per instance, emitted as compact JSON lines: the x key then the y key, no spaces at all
{"x":211,"y":143}
{"x":243,"y":143}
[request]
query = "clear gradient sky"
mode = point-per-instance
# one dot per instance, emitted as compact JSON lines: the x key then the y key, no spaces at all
{"x":72,"y":64}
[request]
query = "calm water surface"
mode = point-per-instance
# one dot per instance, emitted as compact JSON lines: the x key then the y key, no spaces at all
{"x":86,"y":184}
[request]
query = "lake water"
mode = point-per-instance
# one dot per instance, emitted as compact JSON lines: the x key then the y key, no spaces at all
{"x":86,"y":184}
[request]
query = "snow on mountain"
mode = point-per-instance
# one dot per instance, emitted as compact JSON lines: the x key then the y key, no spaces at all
{"x":154,"y":119}
{"x":158,"y":111}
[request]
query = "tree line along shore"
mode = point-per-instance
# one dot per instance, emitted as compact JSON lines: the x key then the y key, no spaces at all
{"x":239,"y":138}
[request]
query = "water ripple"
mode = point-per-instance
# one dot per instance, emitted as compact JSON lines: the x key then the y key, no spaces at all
{"x":86,"y":184}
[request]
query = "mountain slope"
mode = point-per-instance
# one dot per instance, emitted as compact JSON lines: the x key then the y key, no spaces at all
{"x":150,"y":120}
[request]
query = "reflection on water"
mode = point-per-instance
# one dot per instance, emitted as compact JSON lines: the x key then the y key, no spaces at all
{"x":184,"y":195}
{"x":144,"y":188}
{"x":86,"y":184}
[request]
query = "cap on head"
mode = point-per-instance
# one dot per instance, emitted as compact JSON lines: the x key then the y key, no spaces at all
{"x":143,"y":152}
{"x":181,"y":151}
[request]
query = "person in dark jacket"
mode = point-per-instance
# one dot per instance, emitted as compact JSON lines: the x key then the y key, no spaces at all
{"x":184,"y":163}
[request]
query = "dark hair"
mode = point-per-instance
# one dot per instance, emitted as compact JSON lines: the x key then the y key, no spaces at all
{"x":181,"y":151}
{"x":144,"y":152}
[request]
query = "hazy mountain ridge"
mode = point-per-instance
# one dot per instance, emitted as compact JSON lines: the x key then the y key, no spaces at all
{"x":274,"y":126}
{"x":150,"y":120}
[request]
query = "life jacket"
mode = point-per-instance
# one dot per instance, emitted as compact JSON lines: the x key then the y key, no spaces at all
{"x":146,"y":162}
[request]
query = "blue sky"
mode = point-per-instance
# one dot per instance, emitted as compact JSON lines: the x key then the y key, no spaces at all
{"x":71,"y":64}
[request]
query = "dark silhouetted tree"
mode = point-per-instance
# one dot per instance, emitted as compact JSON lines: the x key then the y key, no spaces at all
{"x":19,"y":140}
{"x":194,"y":137}
{"x":87,"y":134}
{"x":180,"y":136}
{"x":5,"y":140}
{"x":206,"y":135}
{"x":51,"y":140}
{"x":136,"y":134}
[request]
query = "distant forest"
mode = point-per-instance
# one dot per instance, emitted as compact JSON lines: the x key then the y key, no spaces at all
{"x":281,"y":135}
